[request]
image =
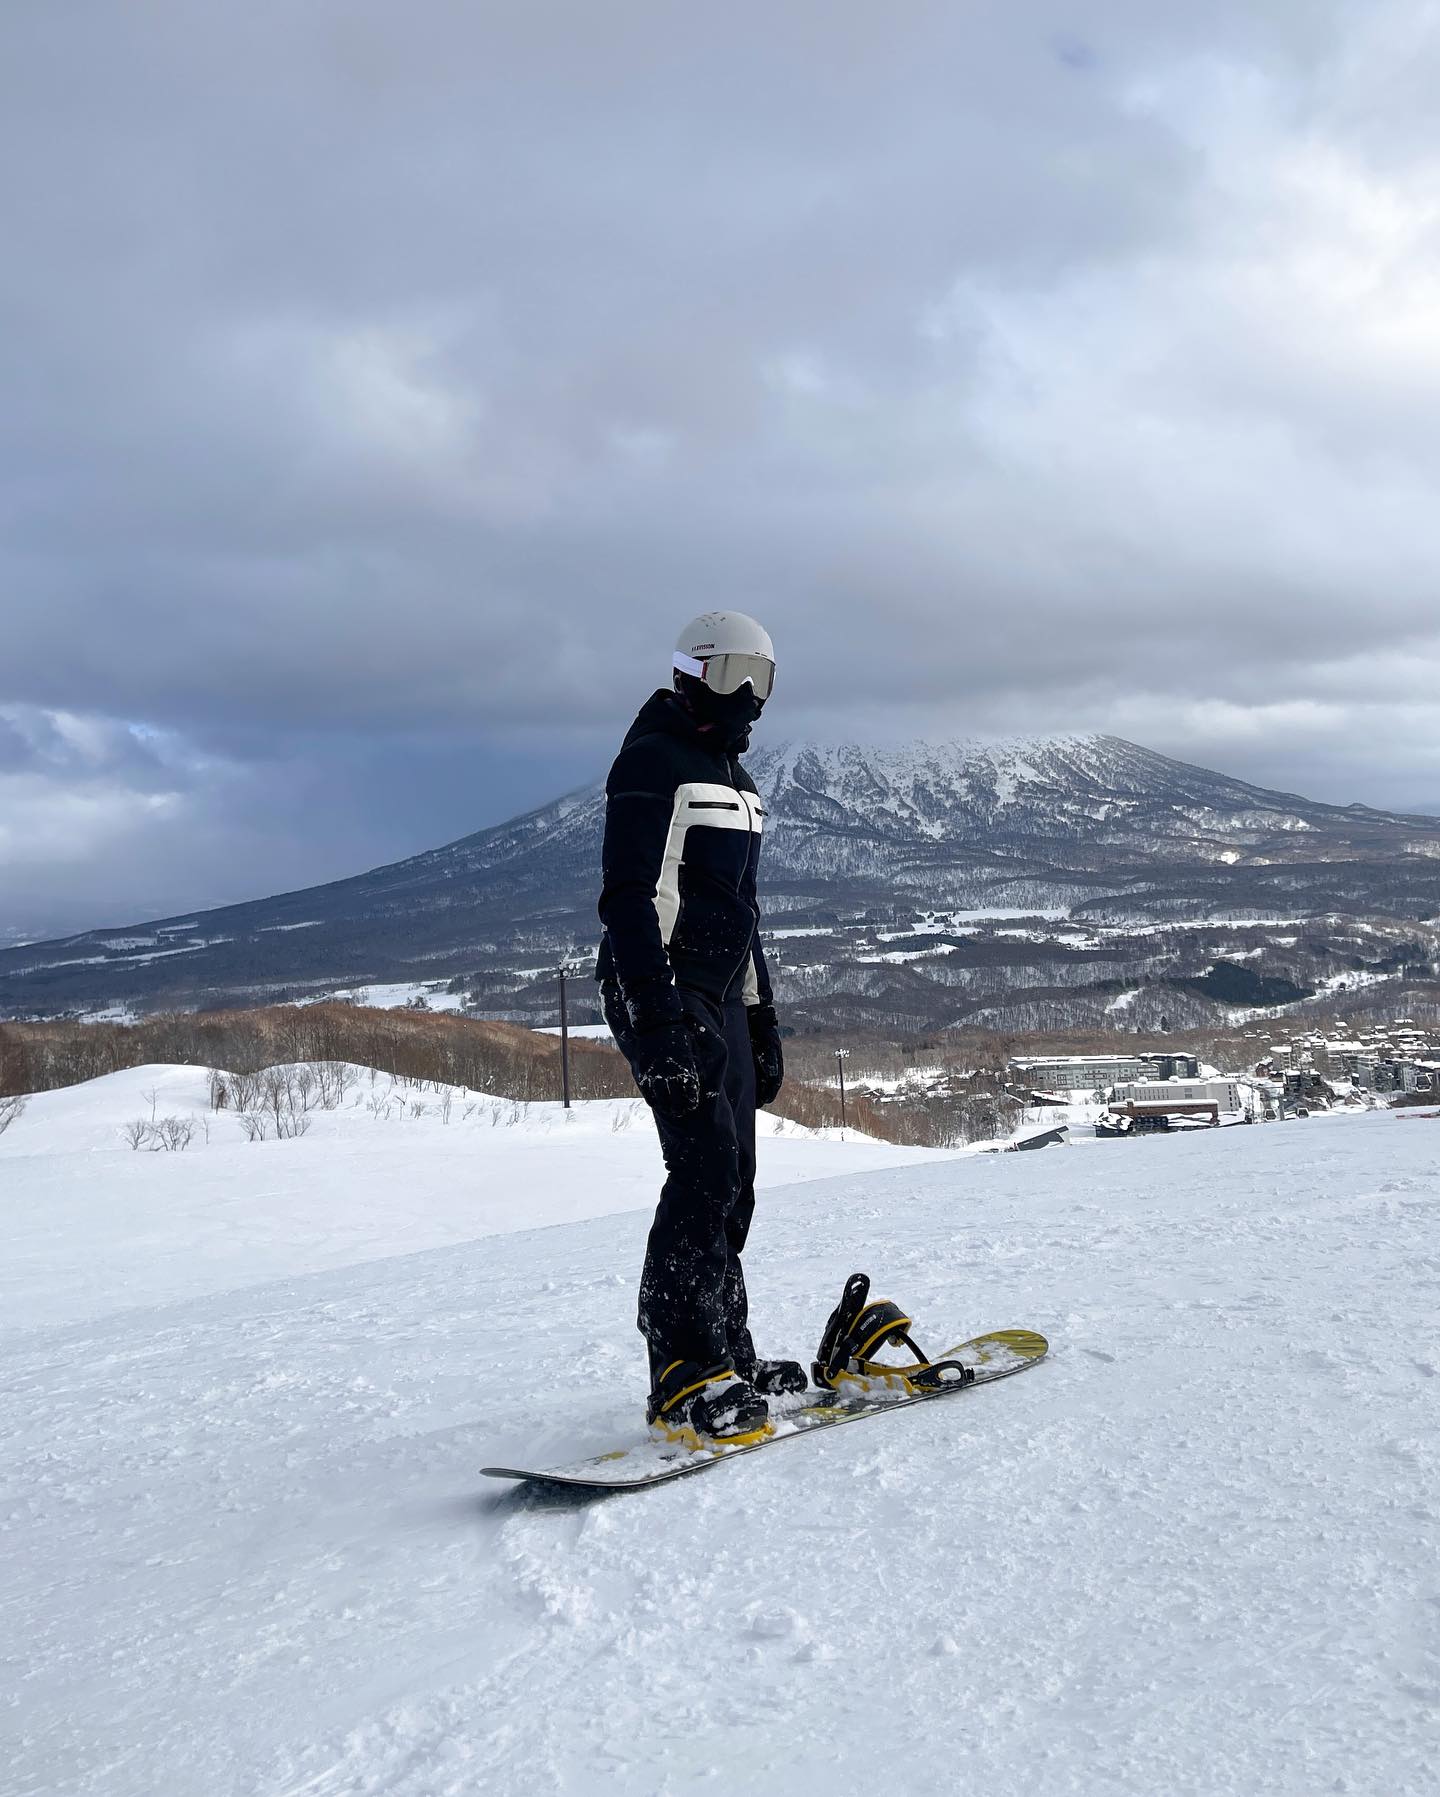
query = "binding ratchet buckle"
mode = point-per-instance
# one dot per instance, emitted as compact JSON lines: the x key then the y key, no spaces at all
{"x":858,"y":1329}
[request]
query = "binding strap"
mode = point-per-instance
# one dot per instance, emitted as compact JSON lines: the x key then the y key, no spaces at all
{"x":858,"y":1329}
{"x":682,"y":1379}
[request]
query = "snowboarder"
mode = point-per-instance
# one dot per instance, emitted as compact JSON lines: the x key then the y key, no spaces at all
{"x":687,"y":997}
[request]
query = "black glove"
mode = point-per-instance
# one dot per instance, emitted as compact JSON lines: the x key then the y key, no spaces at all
{"x":662,"y":1058}
{"x":768,"y":1056}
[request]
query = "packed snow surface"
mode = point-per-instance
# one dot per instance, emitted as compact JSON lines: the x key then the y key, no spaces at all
{"x":249,"y":1553}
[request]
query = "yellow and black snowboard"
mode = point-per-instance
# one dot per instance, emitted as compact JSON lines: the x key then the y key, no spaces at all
{"x":650,"y":1462}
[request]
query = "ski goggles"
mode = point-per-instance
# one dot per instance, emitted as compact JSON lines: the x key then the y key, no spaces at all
{"x":728,"y":673}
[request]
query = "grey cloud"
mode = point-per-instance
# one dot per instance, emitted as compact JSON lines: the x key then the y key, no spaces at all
{"x":66,"y":746}
{"x":15,"y":750}
{"x":382,"y":391}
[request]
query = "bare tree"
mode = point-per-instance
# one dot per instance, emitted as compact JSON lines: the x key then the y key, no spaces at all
{"x":175,"y":1133}
{"x":11,"y":1110}
{"x":334,"y":1079}
{"x":138,"y":1133}
{"x":281,"y":1094}
{"x":236,"y":1092}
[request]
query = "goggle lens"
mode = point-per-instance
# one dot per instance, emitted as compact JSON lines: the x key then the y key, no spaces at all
{"x":728,"y":673}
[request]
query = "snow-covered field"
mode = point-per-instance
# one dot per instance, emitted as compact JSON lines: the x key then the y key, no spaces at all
{"x":369,"y":1180}
{"x":246,"y":1391}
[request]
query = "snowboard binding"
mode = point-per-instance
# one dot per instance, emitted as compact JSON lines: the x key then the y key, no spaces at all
{"x":707,"y":1407}
{"x":858,"y":1329}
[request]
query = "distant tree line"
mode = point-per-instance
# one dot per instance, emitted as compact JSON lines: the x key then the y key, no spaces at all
{"x":500,"y":1058}
{"x":281,"y":1061}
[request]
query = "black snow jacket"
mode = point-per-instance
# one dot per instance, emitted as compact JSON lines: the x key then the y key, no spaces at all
{"x":682,"y":841}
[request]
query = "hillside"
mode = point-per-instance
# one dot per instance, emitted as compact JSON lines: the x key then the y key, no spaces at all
{"x":889,"y":874}
{"x":249,"y":1550}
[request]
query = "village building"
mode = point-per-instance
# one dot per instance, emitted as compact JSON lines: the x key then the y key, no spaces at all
{"x":1077,"y":1072}
{"x":1089,"y":1073}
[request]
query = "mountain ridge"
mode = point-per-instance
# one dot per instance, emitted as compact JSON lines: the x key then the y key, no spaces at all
{"x":1091,"y":826}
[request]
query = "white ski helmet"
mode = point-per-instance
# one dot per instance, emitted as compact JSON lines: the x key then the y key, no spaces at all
{"x":724,"y":649}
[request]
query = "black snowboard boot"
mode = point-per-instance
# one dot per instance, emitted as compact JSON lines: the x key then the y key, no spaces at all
{"x":704,"y":1406}
{"x":772,"y":1378}
{"x":777,"y":1378}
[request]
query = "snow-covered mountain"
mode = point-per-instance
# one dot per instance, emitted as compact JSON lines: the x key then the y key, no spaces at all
{"x":1086,"y":801}
{"x":1092,"y":830}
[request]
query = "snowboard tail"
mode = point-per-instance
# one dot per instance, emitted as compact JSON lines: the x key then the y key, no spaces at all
{"x":647,"y":1461}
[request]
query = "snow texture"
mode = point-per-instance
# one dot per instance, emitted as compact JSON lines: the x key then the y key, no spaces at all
{"x":248,"y":1553}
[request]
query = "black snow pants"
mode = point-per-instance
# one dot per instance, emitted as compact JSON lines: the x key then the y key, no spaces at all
{"x":692,"y":1288}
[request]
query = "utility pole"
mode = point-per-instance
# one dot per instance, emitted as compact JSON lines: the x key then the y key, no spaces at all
{"x":564,"y":1042}
{"x":840,"y":1054}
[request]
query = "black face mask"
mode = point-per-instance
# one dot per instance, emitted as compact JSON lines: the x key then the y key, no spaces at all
{"x":730,"y":715}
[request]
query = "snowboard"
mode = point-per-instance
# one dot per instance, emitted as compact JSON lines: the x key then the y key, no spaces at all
{"x":647,"y":1461}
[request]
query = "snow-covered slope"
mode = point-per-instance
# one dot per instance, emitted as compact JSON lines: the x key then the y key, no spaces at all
{"x":248,"y":1553}
{"x":391,"y":1172}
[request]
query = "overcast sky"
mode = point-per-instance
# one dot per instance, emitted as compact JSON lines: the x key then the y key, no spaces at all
{"x":382,"y":387}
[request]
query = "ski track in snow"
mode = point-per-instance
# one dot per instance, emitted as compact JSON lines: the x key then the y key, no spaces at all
{"x":248,"y":1552}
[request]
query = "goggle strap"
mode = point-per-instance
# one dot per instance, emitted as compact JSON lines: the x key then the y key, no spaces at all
{"x":687,"y":664}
